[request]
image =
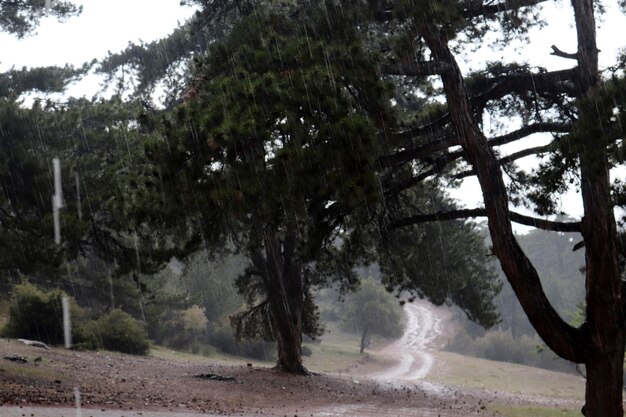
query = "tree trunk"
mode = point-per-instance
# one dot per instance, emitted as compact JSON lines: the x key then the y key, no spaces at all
{"x":604,"y":321}
{"x":285,"y":292}
{"x":565,"y":340}
{"x":290,"y":347}
{"x":364,"y":340}
{"x":600,"y":342}
{"x":603,"y":391}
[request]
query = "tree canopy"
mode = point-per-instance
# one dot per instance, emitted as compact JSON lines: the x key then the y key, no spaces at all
{"x":276,"y":151}
{"x":21,"y":17}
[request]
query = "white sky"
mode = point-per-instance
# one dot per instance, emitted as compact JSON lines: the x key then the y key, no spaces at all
{"x":560,"y":32}
{"x":104,"y":25}
{"x":110,"y":25}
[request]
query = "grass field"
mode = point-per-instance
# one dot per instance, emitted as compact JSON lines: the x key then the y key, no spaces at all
{"x":455,"y":369}
{"x":334,"y":352}
{"x":508,"y":411}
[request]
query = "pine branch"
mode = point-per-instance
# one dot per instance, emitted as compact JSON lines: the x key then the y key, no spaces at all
{"x":514,"y":157}
{"x":411,"y":68}
{"x":444,"y":143}
{"x":481,"y":212}
{"x":471,"y":9}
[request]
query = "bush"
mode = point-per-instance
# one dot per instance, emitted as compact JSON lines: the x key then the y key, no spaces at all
{"x":306,"y":351}
{"x":222,"y":337}
{"x":501,"y":346}
{"x":116,"y":331}
{"x":38,"y":315}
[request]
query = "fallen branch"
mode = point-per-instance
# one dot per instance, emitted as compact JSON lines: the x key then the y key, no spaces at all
{"x":35,"y":343}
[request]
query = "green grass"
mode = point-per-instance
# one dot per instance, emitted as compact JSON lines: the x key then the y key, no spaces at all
{"x":167,"y":353}
{"x":30,"y":371}
{"x":510,"y":411}
{"x":472,"y":372}
{"x":338,"y":351}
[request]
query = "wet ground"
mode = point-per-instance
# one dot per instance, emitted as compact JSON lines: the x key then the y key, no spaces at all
{"x":116,"y":385}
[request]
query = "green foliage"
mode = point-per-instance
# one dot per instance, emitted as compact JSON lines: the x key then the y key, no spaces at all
{"x":599,"y":133}
{"x":21,"y":17}
{"x":515,"y":340}
{"x":211,"y":283}
{"x":43,"y":79}
{"x":280,"y":133}
{"x":374,"y":310}
{"x":117,"y":331}
{"x":223,"y":338}
{"x":38,"y":315}
{"x":444,"y":262}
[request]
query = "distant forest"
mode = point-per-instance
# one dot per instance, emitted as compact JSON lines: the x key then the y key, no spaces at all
{"x":514,"y":339}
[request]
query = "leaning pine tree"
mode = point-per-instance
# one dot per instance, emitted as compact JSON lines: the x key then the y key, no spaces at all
{"x":585,"y":115}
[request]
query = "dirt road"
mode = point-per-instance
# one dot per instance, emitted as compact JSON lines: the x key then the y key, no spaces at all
{"x":413,"y":350}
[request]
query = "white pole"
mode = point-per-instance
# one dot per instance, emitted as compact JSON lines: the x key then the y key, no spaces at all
{"x":67,"y":325}
{"x":56,"y":218}
{"x":57,"y":200}
{"x":58,"y":189}
{"x":77,"y":402}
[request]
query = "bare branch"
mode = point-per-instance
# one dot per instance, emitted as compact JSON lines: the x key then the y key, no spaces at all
{"x":481,"y":212}
{"x":444,"y":143}
{"x":557,"y":52}
{"x":514,"y":157}
{"x":542,"y":83}
{"x":525,"y":131}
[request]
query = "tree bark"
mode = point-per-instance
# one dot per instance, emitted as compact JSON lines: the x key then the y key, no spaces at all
{"x":290,"y":347}
{"x":603,"y":393}
{"x":599,"y":343}
{"x":285,"y":292}
{"x":562,"y":338}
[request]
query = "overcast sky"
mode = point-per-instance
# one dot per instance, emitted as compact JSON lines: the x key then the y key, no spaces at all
{"x":104,"y":25}
{"x":109,"y":25}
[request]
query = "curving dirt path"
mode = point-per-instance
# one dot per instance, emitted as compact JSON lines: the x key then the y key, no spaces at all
{"x":413,"y":350}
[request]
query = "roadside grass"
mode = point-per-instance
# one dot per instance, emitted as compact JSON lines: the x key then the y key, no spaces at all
{"x":338,"y":351}
{"x":455,"y":369}
{"x":511,"y":411}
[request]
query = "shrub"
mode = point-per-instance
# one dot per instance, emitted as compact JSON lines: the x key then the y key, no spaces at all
{"x":38,"y":315}
{"x":501,"y":346}
{"x":223,"y":338}
{"x":116,"y":331}
{"x":306,"y":351}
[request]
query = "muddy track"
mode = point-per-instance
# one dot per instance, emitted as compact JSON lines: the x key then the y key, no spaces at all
{"x":412,"y":350}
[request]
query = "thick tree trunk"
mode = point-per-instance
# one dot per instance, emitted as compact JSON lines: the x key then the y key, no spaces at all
{"x":285,"y":292}
{"x":603,"y":394}
{"x":290,"y":348}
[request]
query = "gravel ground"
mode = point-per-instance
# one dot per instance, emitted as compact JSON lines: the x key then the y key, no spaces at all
{"x":114,"y":382}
